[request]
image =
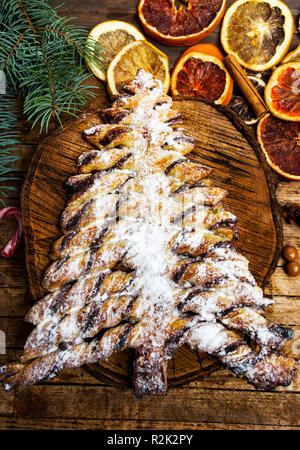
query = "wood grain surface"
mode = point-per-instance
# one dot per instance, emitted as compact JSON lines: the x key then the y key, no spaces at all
{"x":224,"y":143}
{"x":78,"y":400}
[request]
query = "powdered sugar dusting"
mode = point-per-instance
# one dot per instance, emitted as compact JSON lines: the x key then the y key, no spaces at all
{"x":148,"y":231}
{"x":180,"y":268}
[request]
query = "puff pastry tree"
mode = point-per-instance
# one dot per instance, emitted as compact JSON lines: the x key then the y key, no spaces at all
{"x":147,"y":260}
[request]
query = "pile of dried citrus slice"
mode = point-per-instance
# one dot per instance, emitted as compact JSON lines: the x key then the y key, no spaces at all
{"x":126,"y":51}
{"x":258,"y":33}
{"x":279,"y":133}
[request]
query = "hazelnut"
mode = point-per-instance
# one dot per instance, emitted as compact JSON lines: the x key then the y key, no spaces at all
{"x":293,"y":269}
{"x":290,"y":253}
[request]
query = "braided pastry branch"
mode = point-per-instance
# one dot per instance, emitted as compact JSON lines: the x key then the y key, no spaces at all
{"x":47,"y":366}
{"x":265,"y":370}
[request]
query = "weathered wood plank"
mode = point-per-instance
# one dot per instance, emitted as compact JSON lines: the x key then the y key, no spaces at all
{"x":14,"y":292}
{"x":224,"y":379}
{"x":285,"y":310}
{"x":16,"y":331}
{"x":288,"y":192}
{"x":14,"y":301}
{"x":18,"y":423}
{"x":282,"y":284}
{"x":192,"y":405}
{"x":6,"y":403}
{"x":12,"y":273}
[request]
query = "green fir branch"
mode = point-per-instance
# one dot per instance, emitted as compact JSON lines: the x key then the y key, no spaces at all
{"x":43,"y":57}
{"x":9,"y":142}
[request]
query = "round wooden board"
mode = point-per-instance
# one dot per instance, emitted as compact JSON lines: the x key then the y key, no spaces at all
{"x":224,"y":143}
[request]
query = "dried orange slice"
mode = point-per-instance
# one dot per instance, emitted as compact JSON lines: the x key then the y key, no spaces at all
{"x":280,"y":141}
{"x":112,"y":35}
{"x":282,"y":93}
{"x":135,"y":56}
{"x":184,"y":26}
{"x":293,"y":56}
{"x":200,"y":73}
{"x":257,"y":32}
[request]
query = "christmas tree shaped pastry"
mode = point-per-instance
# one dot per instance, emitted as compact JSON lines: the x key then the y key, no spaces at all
{"x":147,"y":260}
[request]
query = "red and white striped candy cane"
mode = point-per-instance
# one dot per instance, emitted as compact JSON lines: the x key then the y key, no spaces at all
{"x":12,"y":245}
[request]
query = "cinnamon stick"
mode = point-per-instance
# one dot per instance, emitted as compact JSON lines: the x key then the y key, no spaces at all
{"x":246,"y":86}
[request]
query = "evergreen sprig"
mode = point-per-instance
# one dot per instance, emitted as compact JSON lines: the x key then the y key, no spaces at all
{"x":43,"y":58}
{"x":8,"y":141}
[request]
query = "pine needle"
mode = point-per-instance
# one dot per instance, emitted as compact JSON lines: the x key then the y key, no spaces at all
{"x":43,"y":58}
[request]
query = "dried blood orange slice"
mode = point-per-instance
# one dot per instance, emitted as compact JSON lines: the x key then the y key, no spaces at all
{"x":280,"y":141}
{"x":282,"y":93}
{"x":200,"y":73}
{"x":185,"y":25}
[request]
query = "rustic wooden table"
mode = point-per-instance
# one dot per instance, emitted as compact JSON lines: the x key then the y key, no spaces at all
{"x":76,"y":400}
